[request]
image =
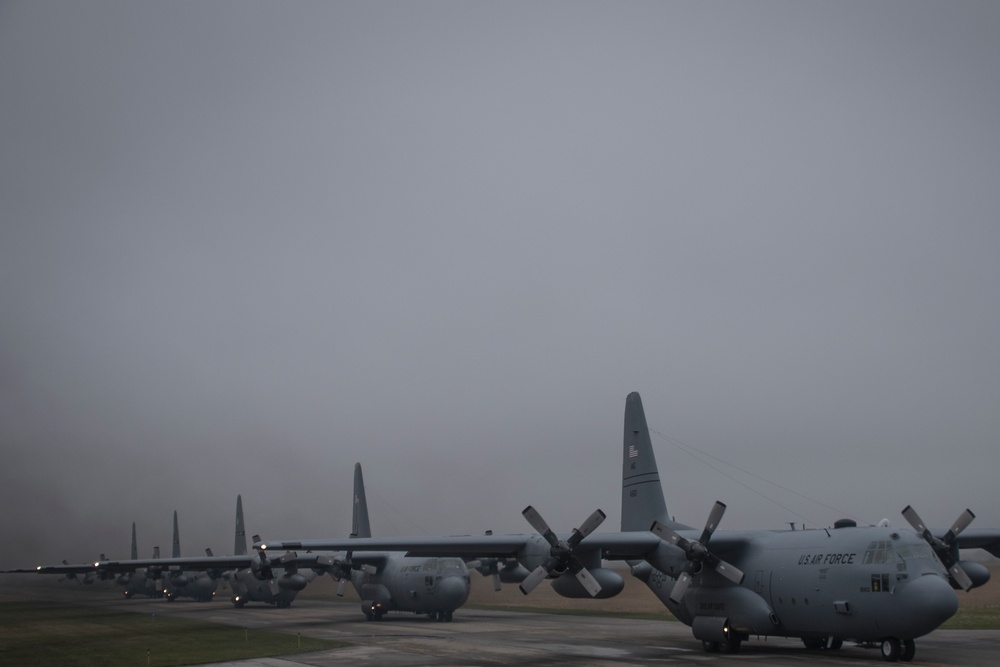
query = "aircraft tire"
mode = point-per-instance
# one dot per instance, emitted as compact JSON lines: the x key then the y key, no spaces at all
{"x":909,"y":650}
{"x":890,"y":649}
{"x":731,"y":645}
{"x":813,"y":644}
{"x":710,"y":647}
{"x":836,"y":643}
{"x":448,"y":615}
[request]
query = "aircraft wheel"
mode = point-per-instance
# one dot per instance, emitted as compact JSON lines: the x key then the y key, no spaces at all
{"x":731,"y":645}
{"x":813,"y":644}
{"x":909,"y":650}
{"x":890,"y":649}
{"x":835,"y":644}
{"x":448,"y":615}
{"x":369,"y":616}
{"x":378,"y":615}
{"x":710,"y":647}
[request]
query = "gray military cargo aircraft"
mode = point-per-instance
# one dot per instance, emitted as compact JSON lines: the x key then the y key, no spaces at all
{"x":392,"y":581}
{"x":199,"y":584}
{"x":396,"y":582}
{"x":141,"y":582}
{"x":248,"y":583}
{"x":874,"y":585}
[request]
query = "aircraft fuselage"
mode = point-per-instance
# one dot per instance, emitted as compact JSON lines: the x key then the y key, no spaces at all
{"x":436,"y":586}
{"x":862,"y":584}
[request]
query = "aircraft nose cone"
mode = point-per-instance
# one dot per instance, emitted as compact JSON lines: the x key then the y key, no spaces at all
{"x":926,"y":603}
{"x":452,"y":592}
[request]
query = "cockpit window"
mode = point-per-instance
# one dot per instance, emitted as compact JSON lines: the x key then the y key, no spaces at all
{"x":916,"y":552}
{"x":451,"y":565}
{"x":878,"y":552}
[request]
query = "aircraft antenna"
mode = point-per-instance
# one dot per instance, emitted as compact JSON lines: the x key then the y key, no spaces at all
{"x":698,"y":455}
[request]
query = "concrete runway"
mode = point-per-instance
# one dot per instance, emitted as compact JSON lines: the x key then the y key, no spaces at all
{"x":489,"y":637}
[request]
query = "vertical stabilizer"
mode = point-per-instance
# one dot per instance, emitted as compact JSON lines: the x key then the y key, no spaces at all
{"x":176,"y":553}
{"x":360,"y":526}
{"x":642,"y":495}
{"x":240,"y":545}
{"x":156,"y":552}
{"x":135,"y":549}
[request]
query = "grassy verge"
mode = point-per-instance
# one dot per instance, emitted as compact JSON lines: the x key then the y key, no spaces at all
{"x":975,"y":618}
{"x":52,"y":633}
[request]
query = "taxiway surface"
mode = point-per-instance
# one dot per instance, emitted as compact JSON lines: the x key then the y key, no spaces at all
{"x":491,"y":637}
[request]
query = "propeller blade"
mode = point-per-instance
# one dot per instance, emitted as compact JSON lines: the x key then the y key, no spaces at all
{"x":588,"y":582}
{"x":713,"y":521}
{"x":342,"y":587}
{"x":914,"y":520}
{"x":539,"y":524}
{"x":496,"y":581}
{"x":272,"y":584}
{"x":961,"y":523}
{"x":670,"y":535}
{"x":680,"y":588}
{"x":533,"y":579}
{"x":730,"y":572}
{"x":368,"y":569}
{"x":592,"y":522}
{"x":960,"y":577}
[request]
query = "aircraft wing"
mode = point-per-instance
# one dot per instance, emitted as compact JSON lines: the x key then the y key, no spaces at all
{"x":193,"y":563}
{"x":981,"y":538}
{"x":612,"y":545}
{"x":79,"y":568}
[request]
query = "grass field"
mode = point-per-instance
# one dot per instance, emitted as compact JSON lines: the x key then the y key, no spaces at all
{"x":65,"y":633}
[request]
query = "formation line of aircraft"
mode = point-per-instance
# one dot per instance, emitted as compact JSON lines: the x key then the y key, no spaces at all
{"x":878,"y":586}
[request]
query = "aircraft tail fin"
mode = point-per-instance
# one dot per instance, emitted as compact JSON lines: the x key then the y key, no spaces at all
{"x":642,"y":495}
{"x":240,"y":545}
{"x":176,"y":553}
{"x":360,"y":526}
{"x":156,"y":552}
{"x":135,"y":548}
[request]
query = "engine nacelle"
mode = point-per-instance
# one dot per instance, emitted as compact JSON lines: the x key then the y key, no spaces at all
{"x":513,"y":574}
{"x":711,"y":628}
{"x":179,"y":580}
{"x":568,"y":586}
{"x":292,"y":582}
{"x":124,"y":579}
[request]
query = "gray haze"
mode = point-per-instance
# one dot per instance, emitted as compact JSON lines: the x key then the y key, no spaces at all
{"x":244,"y":245}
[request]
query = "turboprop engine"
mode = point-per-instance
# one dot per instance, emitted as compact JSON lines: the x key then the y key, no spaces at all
{"x":568,"y":586}
{"x":292,"y":581}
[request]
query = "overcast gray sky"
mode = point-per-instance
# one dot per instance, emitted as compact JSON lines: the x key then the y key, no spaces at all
{"x":244,"y":245}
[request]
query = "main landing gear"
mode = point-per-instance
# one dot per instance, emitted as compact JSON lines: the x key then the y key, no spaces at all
{"x":731,"y":645}
{"x":894,"y":649}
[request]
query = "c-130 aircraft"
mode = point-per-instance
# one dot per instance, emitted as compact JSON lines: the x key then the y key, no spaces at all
{"x":874,"y":585}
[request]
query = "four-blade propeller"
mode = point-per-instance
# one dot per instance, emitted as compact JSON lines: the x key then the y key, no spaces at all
{"x":561,"y":558}
{"x":697,"y":553}
{"x":944,"y":548}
